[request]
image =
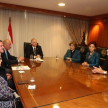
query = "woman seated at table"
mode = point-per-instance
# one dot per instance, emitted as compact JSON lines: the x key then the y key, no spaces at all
{"x":92,"y":57}
{"x":6,"y":95}
{"x":73,"y":54}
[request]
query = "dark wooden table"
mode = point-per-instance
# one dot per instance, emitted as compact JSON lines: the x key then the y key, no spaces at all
{"x":61,"y":84}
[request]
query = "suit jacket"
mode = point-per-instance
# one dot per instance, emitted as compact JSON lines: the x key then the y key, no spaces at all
{"x":2,"y":70}
{"x":11,"y":59}
{"x":93,"y":60}
{"x":29,"y":51}
{"x":76,"y":55}
{"x":105,"y":65}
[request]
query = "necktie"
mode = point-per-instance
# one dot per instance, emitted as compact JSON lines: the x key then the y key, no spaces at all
{"x":34,"y":51}
{"x":6,"y":55}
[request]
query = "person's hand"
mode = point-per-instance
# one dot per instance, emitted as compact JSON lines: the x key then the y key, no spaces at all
{"x":9,"y":76}
{"x":85,"y":64}
{"x":38,"y":56}
{"x":98,"y":70}
{"x":11,"y":89}
{"x":68,"y":58}
{"x":20,"y":59}
{"x":0,"y":62}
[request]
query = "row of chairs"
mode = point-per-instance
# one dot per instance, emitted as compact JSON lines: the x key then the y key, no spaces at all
{"x":83,"y":50}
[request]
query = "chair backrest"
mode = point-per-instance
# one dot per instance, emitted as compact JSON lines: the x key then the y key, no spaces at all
{"x":83,"y":50}
{"x":26,"y":45}
{"x":102,"y":51}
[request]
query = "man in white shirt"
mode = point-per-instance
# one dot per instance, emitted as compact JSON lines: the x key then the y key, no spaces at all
{"x":34,"y":49}
{"x":103,"y":69}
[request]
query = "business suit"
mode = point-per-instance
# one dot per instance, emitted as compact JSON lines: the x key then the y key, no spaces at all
{"x":76,"y":55}
{"x":11,"y":59}
{"x":105,"y":65}
{"x":29,"y":51}
{"x":2,"y":71}
{"x":93,"y":60}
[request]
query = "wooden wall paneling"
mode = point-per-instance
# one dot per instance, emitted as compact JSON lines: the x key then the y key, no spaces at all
{"x":98,"y":31}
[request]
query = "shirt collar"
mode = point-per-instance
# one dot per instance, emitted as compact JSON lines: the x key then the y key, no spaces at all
{"x":33,"y":47}
{"x":5,"y":50}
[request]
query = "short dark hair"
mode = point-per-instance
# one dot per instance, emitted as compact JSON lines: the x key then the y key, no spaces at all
{"x":0,"y":40}
{"x":92,"y":42}
{"x":74,"y":43}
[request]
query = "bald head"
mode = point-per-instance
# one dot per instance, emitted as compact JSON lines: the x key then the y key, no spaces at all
{"x":7,"y":44}
{"x":34,"y":42}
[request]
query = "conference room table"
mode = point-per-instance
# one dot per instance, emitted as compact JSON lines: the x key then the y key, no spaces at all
{"x":60,"y":84}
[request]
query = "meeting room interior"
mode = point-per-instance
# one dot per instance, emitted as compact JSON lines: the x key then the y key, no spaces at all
{"x":70,"y":38}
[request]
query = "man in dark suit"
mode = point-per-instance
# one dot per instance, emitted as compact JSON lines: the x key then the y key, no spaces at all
{"x":103,"y":69}
{"x":6,"y":57}
{"x":34,"y":49}
{"x":6,"y":76}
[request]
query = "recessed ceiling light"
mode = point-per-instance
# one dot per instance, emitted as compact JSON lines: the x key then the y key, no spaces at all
{"x":61,"y":4}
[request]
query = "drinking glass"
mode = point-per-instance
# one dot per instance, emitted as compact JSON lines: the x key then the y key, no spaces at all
{"x":31,"y":57}
{"x":32,"y":81}
{"x":57,"y":56}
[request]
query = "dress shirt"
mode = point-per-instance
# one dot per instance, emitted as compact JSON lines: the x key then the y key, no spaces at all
{"x":6,"y":53}
{"x":34,"y":50}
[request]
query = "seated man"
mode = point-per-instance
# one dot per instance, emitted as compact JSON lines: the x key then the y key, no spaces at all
{"x":6,"y":76}
{"x":6,"y":57}
{"x":34,"y":49}
{"x":103,"y":69}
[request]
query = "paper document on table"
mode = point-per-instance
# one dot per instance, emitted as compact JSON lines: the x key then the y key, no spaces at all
{"x":31,"y":86}
{"x":21,"y":71}
{"x":39,"y":59}
{"x":20,"y":68}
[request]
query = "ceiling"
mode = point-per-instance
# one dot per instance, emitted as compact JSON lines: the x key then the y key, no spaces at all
{"x":80,"y":7}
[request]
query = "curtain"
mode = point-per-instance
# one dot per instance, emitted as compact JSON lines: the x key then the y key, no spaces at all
{"x":76,"y":28}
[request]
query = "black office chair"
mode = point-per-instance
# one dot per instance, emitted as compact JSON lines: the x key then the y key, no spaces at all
{"x":83,"y":50}
{"x":102,"y":51}
{"x":26,"y":45}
